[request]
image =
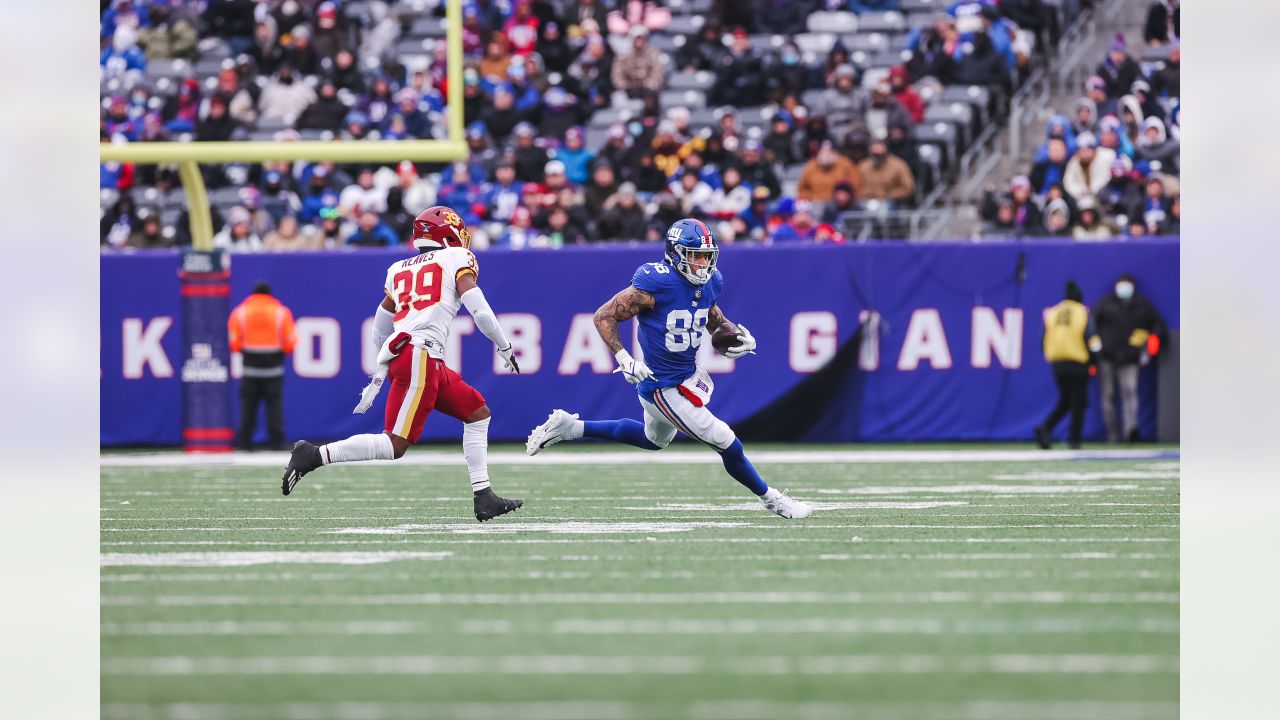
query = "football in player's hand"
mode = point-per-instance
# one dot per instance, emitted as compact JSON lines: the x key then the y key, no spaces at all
{"x":725,"y":337}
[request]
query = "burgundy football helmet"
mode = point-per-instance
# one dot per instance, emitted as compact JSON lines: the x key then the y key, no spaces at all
{"x":439,"y":227}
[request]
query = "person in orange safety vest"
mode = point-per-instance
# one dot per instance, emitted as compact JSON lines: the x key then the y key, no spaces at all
{"x":261,"y":330}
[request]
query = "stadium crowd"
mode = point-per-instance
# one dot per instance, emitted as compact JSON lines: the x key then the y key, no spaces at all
{"x":587,"y":120}
{"x":1110,"y":168}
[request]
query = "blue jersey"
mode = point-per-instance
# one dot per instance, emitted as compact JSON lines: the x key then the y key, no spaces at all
{"x":673,"y":329}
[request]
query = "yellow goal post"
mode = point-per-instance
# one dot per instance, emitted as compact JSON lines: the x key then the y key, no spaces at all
{"x":188,"y":155}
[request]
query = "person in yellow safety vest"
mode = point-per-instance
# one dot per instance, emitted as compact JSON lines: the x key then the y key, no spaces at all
{"x":261,"y":330}
{"x":1068,"y":329}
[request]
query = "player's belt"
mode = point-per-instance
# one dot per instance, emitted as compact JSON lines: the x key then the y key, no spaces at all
{"x":432,"y":345}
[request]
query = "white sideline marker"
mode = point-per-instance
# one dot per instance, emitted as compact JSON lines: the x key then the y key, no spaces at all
{"x":240,"y":559}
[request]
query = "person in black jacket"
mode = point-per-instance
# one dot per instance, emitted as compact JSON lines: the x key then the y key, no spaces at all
{"x":1118,"y":70}
{"x":1163,"y":22}
{"x":1129,"y":330}
{"x":326,"y":113}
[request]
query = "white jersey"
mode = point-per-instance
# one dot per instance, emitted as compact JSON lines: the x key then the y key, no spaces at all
{"x":425,"y":291}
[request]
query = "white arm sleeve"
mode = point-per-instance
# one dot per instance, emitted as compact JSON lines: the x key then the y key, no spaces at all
{"x":474,"y":300}
{"x":382,"y":326}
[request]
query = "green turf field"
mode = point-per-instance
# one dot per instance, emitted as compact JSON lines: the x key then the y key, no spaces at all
{"x":951,"y":589}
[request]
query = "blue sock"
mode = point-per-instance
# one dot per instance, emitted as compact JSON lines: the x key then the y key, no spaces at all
{"x":626,"y":431}
{"x":736,"y":462}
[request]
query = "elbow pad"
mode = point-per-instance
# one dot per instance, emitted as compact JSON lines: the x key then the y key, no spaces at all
{"x":383,"y":324}
{"x":479,"y":308}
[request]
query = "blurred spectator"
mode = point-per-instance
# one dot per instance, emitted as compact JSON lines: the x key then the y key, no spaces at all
{"x":1089,"y":170}
{"x":1050,"y":169}
{"x":521,"y":29}
{"x":329,"y":37}
{"x":150,"y":235}
{"x":344,"y":72}
{"x":276,"y":199}
{"x":932,"y":50}
{"x":283,"y":97}
{"x":646,"y":175}
{"x":1096,"y":90}
{"x":704,"y":51}
{"x":885,"y":176}
{"x":377,"y":104}
{"x":756,"y":216}
{"x":691,"y":192}
{"x":231,"y":20}
{"x":1112,"y":135}
{"x":560,"y":115}
{"x":372,"y":232}
{"x":416,"y":123}
{"x":824,"y":172}
{"x":237,"y":235}
{"x":1161,"y":153}
{"x":1167,"y":81}
{"x":984,"y":65}
{"x":599,"y":188}
{"x":907,"y":97}
{"x":1163,"y":22}
{"x":553,"y":48}
{"x":641,"y":70}
{"x":1017,"y":213}
{"x":843,"y":200}
{"x":1124,"y":189}
{"x":460,"y":192}
{"x":561,"y":229}
{"x":1153,"y":211}
{"x":623,"y":218}
{"x":260,"y":220}
{"x":330,"y":228}
{"x":863,"y":6}
{"x":503,"y":195}
{"x":123,"y":55}
{"x":326,"y":113}
{"x":739,"y":76}
{"x":362,"y":195}
{"x":780,"y":142}
{"x":519,"y":233}
{"x":123,"y":12}
{"x":755,"y":171}
{"x":731,"y":199}
{"x":218,"y":124}
{"x":1118,"y":70}
{"x":497,"y":59}
{"x":317,"y":195}
{"x":799,"y":228}
{"x":267,"y":54}
{"x":239,"y":97}
{"x":1089,"y":226}
{"x":168,"y":35}
{"x":502,"y":116}
{"x":298,"y":51}
{"x":885,"y":111}
{"x":784,"y":73}
{"x":530,"y":160}
{"x":1085,"y":118}
{"x":287,"y":238}
{"x":590,"y":74}
{"x":843,"y":103}
{"x":1151,"y":107}
{"x":780,"y":16}
{"x":1131,"y":118}
{"x":1125,"y":322}
{"x":1057,"y":218}
{"x":815,"y":133}
{"x":637,"y":13}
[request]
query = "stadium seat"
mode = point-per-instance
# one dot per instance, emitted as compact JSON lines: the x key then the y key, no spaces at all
{"x":815,"y":42}
{"x":275,"y":124}
{"x":943,"y":135}
{"x":168,"y":68}
{"x":171,"y":216}
{"x":838,"y":21}
{"x":685,"y":25}
{"x":690,"y":7}
{"x":665,"y":44}
{"x":887,"y":22}
{"x":704,"y":117}
{"x":425,"y":27}
{"x":605,"y":117}
{"x":809,"y":98}
{"x":415,"y":47}
{"x":865,"y":42}
{"x":682,"y":98}
{"x":695,"y":80}
{"x":146,"y":197}
{"x":957,"y":113}
{"x":976,"y":96}
{"x":225,"y":197}
{"x":932,"y":160}
{"x":911,"y":8}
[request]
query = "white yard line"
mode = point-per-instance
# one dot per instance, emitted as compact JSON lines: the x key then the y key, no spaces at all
{"x":497,"y":537}
{"x":643,"y":665}
{"x":240,"y":559}
{"x":669,"y":457}
{"x":1042,"y":597}
{"x":607,"y":710}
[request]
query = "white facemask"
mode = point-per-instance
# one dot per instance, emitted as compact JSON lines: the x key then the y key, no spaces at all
{"x":1124,"y":290}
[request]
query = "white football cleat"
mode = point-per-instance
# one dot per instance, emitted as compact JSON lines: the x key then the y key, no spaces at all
{"x":558,"y":428}
{"x":780,"y":504}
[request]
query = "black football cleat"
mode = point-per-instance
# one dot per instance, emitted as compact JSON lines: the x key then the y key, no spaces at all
{"x":1043,"y":439}
{"x":488,"y":505}
{"x":305,"y":458}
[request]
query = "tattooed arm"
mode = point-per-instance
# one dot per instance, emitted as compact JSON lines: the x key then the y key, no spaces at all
{"x":715,"y":318}
{"x":621,"y":307}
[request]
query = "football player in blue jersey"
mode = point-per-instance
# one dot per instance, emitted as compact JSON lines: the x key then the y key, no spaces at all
{"x":675,"y":303}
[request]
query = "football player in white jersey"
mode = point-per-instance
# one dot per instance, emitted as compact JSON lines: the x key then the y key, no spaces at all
{"x":411,"y":328}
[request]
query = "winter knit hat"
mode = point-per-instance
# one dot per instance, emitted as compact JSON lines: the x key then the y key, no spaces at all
{"x":1118,"y":44}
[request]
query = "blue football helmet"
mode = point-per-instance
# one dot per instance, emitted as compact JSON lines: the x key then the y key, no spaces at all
{"x":688,"y":239}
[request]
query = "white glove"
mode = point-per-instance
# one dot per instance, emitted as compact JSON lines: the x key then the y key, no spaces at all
{"x":746,"y":344}
{"x":369,"y":392}
{"x":508,"y":355}
{"x":635,"y":371}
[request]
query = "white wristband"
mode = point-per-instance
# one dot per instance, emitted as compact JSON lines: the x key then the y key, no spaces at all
{"x":623,"y":357}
